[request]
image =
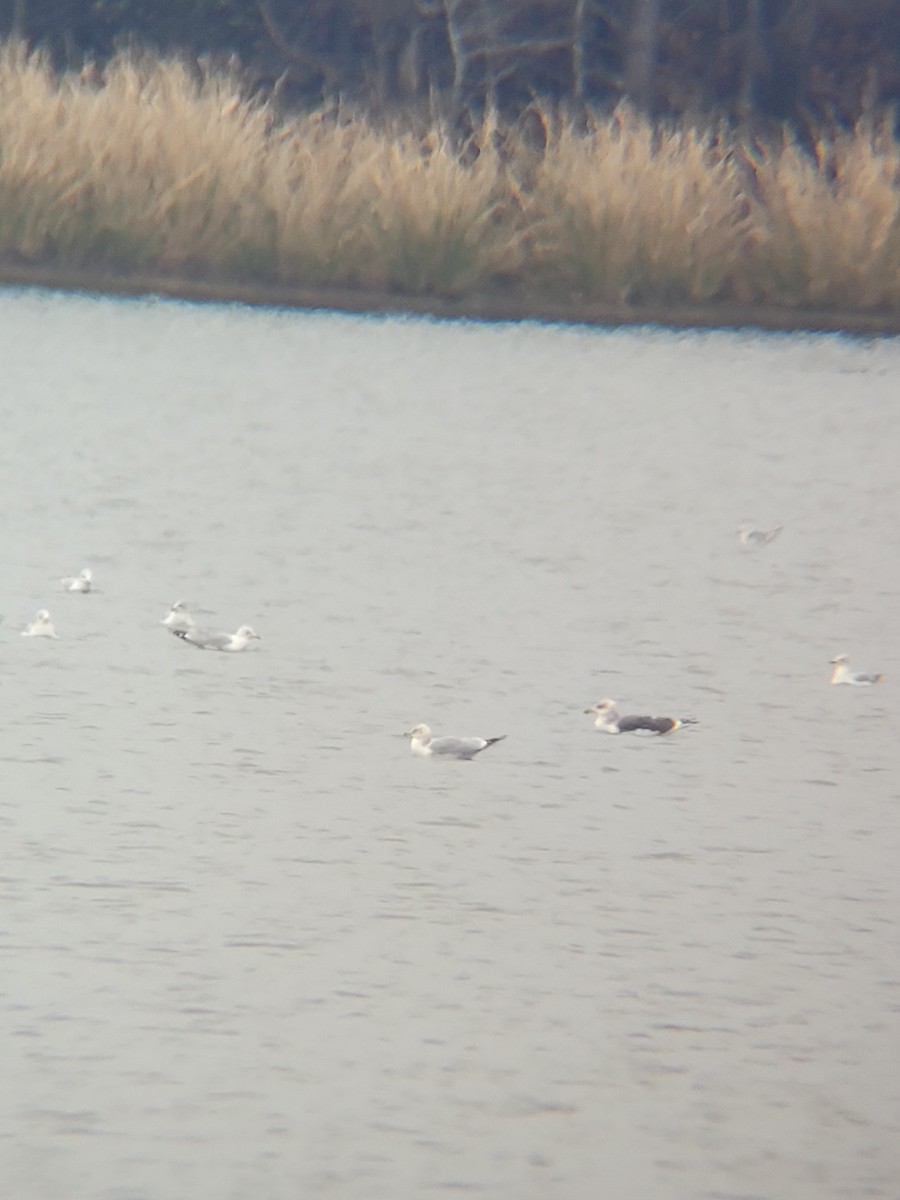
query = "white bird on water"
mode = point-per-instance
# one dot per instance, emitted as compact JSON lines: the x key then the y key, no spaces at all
{"x":178,"y":620}
{"x":41,"y":626}
{"x":425,"y":744}
{"x":230,"y":642}
{"x":758,"y":537}
{"x":607,"y":719}
{"x":78,"y":583}
{"x":843,"y":674}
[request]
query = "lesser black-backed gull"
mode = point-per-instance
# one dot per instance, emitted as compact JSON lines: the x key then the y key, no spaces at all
{"x":607,"y":719}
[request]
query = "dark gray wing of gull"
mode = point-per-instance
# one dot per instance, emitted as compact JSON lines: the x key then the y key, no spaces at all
{"x":758,"y":537}
{"x":454,"y":747}
{"x":653,"y":724}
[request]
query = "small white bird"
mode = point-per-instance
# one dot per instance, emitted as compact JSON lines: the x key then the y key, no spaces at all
{"x":78,"y":583}
{"x":204,"y":640}
{"x":608,"y":720}
{"x":41,"y":626}
{"x":758,"y":537}
{"x":178,"y":620}
{"x":843,"y":674}
{"x":423,"y":743}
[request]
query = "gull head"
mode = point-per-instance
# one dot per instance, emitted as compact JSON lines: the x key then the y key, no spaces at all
{"x":602,"y":706}
{"x":422,"y":733}
{"x":841,"y":658}
{"x":247,"y":631}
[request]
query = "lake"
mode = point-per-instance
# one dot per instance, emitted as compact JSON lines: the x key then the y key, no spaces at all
{"x":253,"y":947}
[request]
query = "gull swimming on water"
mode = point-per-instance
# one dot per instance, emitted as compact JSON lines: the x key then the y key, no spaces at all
{"x":178,"y":620}
{"x":608,"y":720}
{"x":204,"y":640}
{"x":78,"y":583}
{"x":758,"y":537}
{"x":423,"y":743}
{"x":41,"y":626}
{"x":843,"y":674}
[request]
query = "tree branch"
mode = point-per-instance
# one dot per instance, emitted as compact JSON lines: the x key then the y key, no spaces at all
{"x":293,"y":53}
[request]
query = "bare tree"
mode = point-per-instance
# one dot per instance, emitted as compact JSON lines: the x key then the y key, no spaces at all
{"x":493,"y":44}
{"x":297,"y":56}
{"x":19,"y":25}
{"x":579,"y":35}
{"x":753,"y":61}
{"x":641,"y":52}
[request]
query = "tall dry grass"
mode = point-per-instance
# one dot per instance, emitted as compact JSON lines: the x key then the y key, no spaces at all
{"x":625,"y":212}
{"x":827,"y":232}
{"x":153,"y":167}
{"x":387,"y":210}
{"x":148,"y":168}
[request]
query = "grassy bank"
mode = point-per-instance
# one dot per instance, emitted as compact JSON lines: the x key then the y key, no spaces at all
{"x":148,"y":172}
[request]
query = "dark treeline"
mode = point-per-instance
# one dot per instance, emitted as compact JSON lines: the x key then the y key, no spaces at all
{"x":813,"y":63}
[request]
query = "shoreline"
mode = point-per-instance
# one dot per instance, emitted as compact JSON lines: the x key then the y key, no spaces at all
{"x":482,"y":306}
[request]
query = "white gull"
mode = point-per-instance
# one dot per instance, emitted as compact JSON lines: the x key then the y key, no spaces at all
{"x":78,"y":583}
{"x":843,"y":674}
{"x":178,"y":620}
{"x":41,"y":626}
{"x":423,"y":743}
{"x":205,"y":640}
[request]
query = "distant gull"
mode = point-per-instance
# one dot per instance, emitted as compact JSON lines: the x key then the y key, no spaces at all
{"x":423,"y":743}
{"x":178,"y":620}
{"x":758,"y":537}
{"x":205,"y":640}
{"x":41,"y":626}
{"x":78,"y":583}
{"x":843,"y":674}
{"x":608,"y":720}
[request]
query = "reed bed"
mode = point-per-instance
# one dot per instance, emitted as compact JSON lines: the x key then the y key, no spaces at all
{"x":625,"y":212}
{"x":151,"y":167}
{"x":828,"y":227}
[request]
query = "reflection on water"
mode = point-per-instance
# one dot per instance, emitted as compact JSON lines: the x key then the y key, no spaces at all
{"x":253,"y":947}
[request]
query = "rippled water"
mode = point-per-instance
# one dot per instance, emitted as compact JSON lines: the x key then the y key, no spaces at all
{"x":252,"y":947}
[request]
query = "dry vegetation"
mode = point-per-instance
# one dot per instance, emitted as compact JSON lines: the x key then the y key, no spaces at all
{"x":149,"y":168}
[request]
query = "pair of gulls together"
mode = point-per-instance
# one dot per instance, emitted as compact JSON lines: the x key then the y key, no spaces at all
{"x":607,"y":719}
{"x":180,"y":622}
{"x":42,"y":626}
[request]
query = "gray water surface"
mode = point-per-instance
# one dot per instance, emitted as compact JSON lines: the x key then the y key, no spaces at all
{"x":253,"y":948}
